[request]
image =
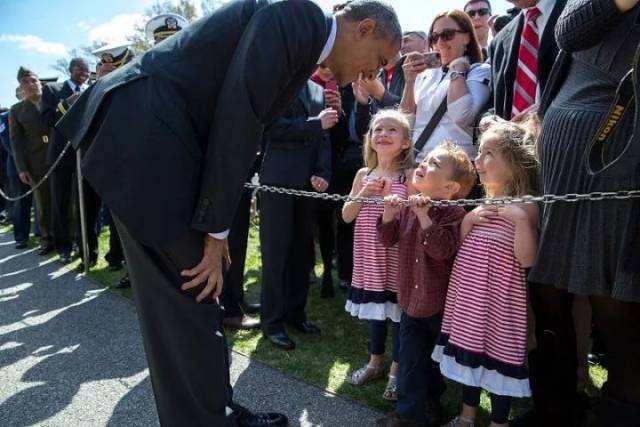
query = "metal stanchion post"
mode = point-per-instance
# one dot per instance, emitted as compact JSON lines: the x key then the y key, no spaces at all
{"x":83,"y":215}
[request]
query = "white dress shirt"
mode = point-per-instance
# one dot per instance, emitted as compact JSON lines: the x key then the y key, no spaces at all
{"x":72,"y":85}
{"x":431,"y":88}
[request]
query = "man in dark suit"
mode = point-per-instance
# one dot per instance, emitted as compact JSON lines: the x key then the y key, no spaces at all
{"x":29,"y":138}
{"x":297,"y":154}
{"x":505,"y":48}
{"x":57,"y":98}
{"x":169,"y":152}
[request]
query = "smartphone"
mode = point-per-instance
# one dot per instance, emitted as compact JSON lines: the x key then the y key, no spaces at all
{"x":432,"y":59}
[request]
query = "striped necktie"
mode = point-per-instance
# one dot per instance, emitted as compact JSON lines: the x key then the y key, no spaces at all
{"x":524,"y":95}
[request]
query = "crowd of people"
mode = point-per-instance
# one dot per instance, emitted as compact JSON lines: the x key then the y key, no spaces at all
{"x":503,"y":298}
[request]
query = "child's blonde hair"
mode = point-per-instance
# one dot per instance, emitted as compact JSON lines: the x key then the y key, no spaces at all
{"x":463,"y":171}
{"x":516,"y":142}
{"x":405,"y":159}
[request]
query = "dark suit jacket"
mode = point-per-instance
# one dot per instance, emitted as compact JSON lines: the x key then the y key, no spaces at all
{"x":504,"y":59}
{"x":29,"y":137}
{"x":53,"y":107}
{"x":295,"y":145}
{"x":393,"y":95}
{"x":174,"y":132}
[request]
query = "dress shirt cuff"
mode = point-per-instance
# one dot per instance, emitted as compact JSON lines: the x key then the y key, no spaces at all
{"x":220,"y":236}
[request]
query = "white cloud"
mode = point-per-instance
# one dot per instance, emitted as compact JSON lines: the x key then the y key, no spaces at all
{"x":83,"y":25}
{"x":116,"y":29}
{"x":35,"y":44}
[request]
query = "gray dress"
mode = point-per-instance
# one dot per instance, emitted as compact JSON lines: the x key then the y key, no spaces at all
{"x":583,"y":245}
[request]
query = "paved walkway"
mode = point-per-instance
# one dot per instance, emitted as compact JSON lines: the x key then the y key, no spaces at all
{"x":71,"y":355}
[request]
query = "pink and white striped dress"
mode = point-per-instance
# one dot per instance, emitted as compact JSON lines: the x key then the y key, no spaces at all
{"x":373,"y":291}
{"x":484,"y":329}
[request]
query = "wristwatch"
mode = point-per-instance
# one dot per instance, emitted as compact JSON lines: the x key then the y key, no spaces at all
{"x":456,"y":74}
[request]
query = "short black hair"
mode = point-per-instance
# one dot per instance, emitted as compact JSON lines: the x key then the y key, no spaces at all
{"x":387,"y":22}
{"x":78,"y":62}
{"x":470,"y":2}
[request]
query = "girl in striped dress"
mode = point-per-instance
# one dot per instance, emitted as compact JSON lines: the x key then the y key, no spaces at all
{"x":372,"y":296}
{"x":483,"y":339}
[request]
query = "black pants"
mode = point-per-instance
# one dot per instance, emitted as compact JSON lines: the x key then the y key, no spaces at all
{"x":285,"y":244}
{"x":233,"y":292}
{"x":115,"y":256}
{"x":20,"y":210}
{"x":553,"y":364}
{"x":420,"y":379}
{"x":378,"y":338}
{"x":500,"y":405}
{"x":183,"y":340}
{"x":62,"y":201}
{"x":92,"y":203}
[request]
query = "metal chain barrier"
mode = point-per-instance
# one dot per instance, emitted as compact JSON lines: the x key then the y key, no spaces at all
{"x":546,"y":199}
{"x":39,"y":183}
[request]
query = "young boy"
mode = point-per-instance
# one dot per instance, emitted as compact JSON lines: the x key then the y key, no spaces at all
{"x":428,"y":238}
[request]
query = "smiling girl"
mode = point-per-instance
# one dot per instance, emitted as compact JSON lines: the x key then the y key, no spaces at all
{"x":484,"y":330}
{"x":372,"y":295}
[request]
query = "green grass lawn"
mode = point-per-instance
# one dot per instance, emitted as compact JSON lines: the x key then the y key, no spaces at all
{"x":322,"y":360}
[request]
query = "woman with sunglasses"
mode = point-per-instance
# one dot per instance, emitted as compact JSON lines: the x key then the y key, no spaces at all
{"x":446,"y":99}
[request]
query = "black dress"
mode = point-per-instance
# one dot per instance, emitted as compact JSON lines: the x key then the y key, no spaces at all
{"x":583,"y":245}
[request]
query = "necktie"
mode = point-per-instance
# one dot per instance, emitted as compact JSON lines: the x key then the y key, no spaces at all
{"x":524,"y":94}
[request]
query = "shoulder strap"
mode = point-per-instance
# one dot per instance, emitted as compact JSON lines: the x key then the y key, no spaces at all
{"x":431,"y":126}
{"x":625,"y":99}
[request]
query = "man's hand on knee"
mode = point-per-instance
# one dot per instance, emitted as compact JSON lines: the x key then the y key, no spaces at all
{"x":215,"y":259}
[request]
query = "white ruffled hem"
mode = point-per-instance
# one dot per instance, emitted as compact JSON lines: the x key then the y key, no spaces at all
{"x":490,"y":380}
{"x":374,"y":311}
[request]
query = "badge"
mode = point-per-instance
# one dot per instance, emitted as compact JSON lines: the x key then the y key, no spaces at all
{"x":107,"y":58}
{"x":45,"y":139}
{"x":171,"y":23}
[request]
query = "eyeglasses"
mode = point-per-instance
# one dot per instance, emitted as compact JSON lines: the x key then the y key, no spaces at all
{"x":446,"y":35}
{"x":481,"y":12}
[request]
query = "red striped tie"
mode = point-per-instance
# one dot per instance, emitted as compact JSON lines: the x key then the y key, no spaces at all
{"x":524,"y":95}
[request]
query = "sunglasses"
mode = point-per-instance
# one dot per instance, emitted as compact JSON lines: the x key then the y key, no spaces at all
{"x":480,"y":12}
{"x":446,"y":35}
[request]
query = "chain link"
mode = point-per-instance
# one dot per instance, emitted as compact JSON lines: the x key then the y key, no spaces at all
{"x":39,"y":183}
{"x":547,"y":199}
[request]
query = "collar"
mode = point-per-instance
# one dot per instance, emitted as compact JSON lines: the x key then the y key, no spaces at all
{"x":545,"y":6}
{"x":72,"y":85}
{"x":330,"y":41}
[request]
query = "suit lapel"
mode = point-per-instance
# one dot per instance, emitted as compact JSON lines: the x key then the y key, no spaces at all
{"x":305,"y":99}
{"x":512,"y":51}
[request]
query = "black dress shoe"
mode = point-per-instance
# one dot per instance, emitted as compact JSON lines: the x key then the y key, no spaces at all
{"x":245,"y":418}
{"x":306,"y":327}
{"x":251,"y":308}
{"x":282,"y":340}
{"x":22,"y":244}
{"x":65,"y":258}
{"x":45,"y":250}
{"x":124,"y":283}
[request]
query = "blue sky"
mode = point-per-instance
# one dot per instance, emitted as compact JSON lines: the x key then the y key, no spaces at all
{"x":35,"y":33}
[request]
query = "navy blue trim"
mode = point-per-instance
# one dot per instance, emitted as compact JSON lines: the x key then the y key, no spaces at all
{"x":361,"y":296}
{"x":475,"y":360}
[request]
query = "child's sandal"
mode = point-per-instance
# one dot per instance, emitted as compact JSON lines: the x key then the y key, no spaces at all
{"x":460,"y":421}
{"x":365,"y":374}
{"x":391,"y":390}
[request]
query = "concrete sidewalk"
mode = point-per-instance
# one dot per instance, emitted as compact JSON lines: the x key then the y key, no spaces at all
{"x":71,"y":355}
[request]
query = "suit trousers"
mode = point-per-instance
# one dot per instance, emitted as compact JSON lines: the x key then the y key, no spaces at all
{"x":92,"y":204}
{"x":42,"y":197}
{"x":20,"y":210}
{"x":286,"y":233}
{"x":233,"y":290}
{"x":184,"y":341}
{"x":62,"y":187}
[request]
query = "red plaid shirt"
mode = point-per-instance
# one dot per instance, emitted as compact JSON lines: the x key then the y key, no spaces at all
{"x":426,"y":257}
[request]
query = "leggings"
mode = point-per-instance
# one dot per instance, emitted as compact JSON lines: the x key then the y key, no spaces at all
{"x":500,"y":405}
{"x":378,"y":338}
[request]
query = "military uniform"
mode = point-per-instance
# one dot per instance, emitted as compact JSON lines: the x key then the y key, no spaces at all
{"x":29,"y":142}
